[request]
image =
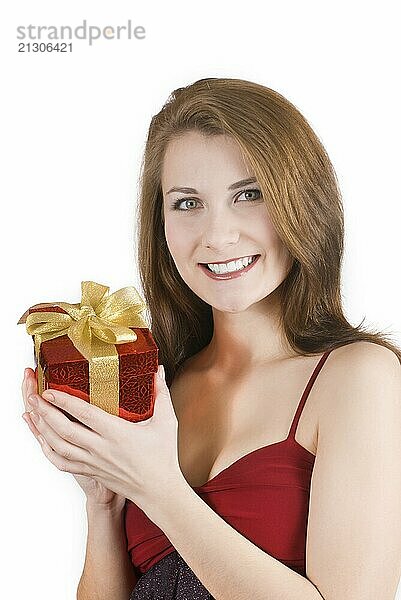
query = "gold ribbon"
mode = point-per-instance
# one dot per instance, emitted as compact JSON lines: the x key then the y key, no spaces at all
{"x":94,"y":326}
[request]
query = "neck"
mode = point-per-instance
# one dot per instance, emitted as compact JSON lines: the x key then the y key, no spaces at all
{"x":248,"y":337}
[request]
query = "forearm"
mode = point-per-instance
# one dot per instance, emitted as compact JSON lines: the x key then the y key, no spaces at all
{"x":227,"y":564}
{"x":108,"y":571}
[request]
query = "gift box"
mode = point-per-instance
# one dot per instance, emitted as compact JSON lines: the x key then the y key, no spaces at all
{"x":100,"y":350}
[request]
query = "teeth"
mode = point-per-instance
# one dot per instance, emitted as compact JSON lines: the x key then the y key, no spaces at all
{"x":232,"y":266}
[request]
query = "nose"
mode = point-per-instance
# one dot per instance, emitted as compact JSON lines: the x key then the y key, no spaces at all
{"x":220,"y":231}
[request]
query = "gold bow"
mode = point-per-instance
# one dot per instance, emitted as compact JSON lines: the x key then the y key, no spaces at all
{"x":94,"y":326}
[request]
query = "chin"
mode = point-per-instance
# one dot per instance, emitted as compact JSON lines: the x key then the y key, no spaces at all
{"x":231,"y":306}
{"x":230,"y":310}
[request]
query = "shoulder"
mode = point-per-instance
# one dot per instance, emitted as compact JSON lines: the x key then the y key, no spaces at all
{"x":362,"y":356}
{"x":366,"y":362}
{"x":366,"y":353}
{"x":359,"y":373}
{"x":356,"y":483}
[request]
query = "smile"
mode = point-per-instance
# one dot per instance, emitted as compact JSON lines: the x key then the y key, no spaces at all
{"x":231,"y":269}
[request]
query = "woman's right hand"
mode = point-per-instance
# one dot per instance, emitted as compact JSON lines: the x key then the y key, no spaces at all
{"x":94,"y":491}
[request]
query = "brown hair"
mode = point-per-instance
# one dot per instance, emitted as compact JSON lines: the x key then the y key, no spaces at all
{"x":301,"y":191}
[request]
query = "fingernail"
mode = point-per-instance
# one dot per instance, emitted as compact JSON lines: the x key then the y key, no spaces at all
{"x":48,"y":396}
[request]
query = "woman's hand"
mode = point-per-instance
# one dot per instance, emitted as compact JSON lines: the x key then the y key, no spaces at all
{"x":94,"y":491}
{"x":138,"y":461}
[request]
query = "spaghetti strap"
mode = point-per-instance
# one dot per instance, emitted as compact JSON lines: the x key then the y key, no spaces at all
{"x":306,"y":394}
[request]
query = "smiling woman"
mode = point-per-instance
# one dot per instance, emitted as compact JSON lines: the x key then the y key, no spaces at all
{"x":241,"y":234}
{"x":223,"y":222}
{"x":236,"y":488}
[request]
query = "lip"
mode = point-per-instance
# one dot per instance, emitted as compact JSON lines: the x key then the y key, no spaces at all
{"x":229,"y":275}
{"x":225,"y":262}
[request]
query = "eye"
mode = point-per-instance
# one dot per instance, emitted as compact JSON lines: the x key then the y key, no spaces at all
{"x":252,"y":192}
{"x":177,"y":203}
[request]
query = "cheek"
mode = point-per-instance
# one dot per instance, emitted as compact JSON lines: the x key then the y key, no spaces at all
{"x":273,"y":243}
{"x":178,"y":240}
{"x":283,"y":257}
{"x":262,"y":230}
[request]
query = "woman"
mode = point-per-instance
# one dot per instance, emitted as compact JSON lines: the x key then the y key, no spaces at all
{"x":288,"y":416}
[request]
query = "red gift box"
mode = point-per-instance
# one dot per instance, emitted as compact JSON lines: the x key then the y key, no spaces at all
{"x":65,"y":368}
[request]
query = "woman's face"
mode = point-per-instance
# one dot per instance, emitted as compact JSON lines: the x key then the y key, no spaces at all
{"x":221,"y":219}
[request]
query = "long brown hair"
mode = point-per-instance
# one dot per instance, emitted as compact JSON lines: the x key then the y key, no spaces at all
{"x":301,"y":191}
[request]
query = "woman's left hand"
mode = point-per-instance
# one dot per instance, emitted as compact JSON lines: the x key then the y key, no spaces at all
{"x":137,"y":460}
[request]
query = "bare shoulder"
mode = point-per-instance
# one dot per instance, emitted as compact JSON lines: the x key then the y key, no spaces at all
{"x":353,"y":369}
{"x":365,"y":354}
{"x":359,"y":452}
{"x":366,"y":361}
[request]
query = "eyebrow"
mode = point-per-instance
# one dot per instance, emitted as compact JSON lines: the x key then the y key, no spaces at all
{"x":234,"y":186}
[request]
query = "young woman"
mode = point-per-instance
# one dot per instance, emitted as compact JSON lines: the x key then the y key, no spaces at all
{"x":289,"y":417}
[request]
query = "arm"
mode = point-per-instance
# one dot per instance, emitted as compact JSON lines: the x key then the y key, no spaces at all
{"x":354,"y":529}
{"x":354,"y":536}
{"x":228,"y":564}
{"x":108,"y":571}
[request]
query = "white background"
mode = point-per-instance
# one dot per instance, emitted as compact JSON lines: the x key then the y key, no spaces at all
{"x":73,"y":132}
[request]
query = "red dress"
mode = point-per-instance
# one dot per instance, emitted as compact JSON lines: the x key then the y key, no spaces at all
{"x":264,"y":495}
